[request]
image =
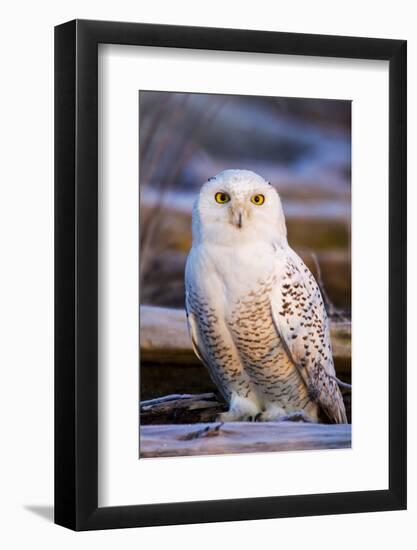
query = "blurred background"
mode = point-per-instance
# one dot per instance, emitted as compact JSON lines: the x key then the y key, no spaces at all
{"x":302,"y":146}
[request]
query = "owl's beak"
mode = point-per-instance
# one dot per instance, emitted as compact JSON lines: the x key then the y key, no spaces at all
{"x":237,"y":217}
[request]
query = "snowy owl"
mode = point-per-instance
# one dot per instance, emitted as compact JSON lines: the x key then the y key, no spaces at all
{"x":255,"y":312}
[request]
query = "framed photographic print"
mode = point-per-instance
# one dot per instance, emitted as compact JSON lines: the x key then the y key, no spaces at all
{"x":230,"y":235}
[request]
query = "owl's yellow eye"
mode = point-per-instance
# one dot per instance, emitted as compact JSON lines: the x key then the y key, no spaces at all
{"x":222,"y":198}
{"x":258,"y":199}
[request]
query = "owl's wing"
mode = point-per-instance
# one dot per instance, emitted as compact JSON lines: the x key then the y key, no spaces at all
{"x":301,"y":321}
{"x":199,"y":345}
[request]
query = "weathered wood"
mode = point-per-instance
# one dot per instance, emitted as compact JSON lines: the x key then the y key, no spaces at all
{"x":240,"y":437}
{"x":181,"y":409}
{"x":164,"y":337}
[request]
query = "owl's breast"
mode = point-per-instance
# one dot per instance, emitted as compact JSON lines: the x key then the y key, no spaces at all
{"x":261,"y":349}
{"x":231,"y":271}
{"x":250,"y":320}
{"x":244,"y":269}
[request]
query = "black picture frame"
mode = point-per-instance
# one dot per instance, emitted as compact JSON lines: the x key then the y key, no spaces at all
{"x":76,"y":272}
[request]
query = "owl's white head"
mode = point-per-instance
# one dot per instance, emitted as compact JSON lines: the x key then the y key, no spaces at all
{"x":238,"y":206}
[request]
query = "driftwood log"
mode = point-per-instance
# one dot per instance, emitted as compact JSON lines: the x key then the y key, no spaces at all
{"x":178,"y":425}
{"x":240,"y":437}
{"x":181,"y":409}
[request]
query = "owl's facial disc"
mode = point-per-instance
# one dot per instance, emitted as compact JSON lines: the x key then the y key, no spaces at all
{"x":236,"y":207}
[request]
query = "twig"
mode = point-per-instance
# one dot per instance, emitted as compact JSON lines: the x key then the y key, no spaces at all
{"x":174,"y":397}
{"x":341,"y":383}
{"x":181,"y":409}
{"x":332,"y":310}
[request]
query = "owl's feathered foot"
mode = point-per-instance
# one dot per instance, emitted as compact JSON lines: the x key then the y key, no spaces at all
{"x":241,"y":409}
{"x":273,"y":413}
